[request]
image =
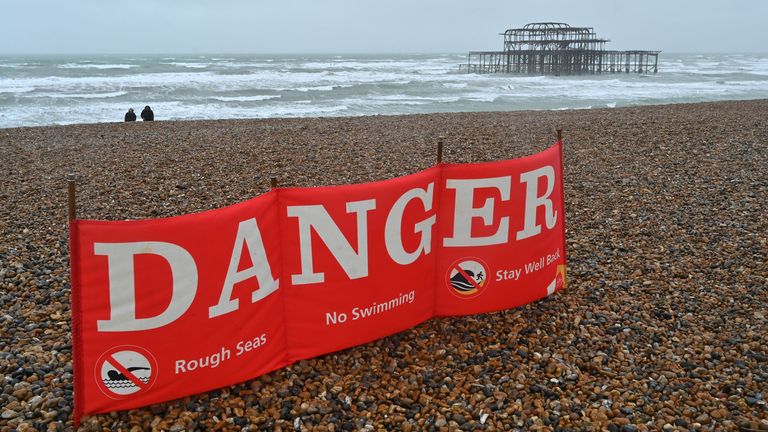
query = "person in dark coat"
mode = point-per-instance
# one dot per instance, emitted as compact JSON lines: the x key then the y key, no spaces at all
{"x":147,"y":114}
{"x":130,"y":115}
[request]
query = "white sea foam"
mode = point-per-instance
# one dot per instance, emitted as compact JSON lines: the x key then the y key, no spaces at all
{"x":308,"y":89}
{"x":14,"y":65}
{"x":81,"y":95}
{"x":15,"y":89}
{"x":191,"y":65}
{"x":245,"y":98}
{"x":482,"y":96}
{"x":424,"y":99}
{"x":95,"y":66}
{"x":300,"y":111}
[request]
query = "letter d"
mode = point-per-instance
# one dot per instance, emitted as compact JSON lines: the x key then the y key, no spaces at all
{"x":122,"y":289}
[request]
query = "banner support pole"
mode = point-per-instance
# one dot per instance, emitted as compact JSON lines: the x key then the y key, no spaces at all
{"x":72,"y":208}
{"x":75,"y":293}
{"x":273,"y":182}
{"x":440,"y":150}
{"x":560,"y":135}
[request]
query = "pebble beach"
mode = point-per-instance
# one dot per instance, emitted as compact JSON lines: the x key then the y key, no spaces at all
{"x":663,"y":325}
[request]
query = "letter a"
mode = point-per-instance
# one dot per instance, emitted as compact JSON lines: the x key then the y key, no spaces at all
{"x":248,"y":232}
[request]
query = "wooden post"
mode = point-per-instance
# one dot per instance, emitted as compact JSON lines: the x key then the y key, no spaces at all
{"x":440,"y":150}
{"x":273,"y":182}
{"x":72,"y":209}
{"x":560,"y":135}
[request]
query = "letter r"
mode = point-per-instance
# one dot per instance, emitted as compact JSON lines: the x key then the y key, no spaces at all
{"x":533,"y":201}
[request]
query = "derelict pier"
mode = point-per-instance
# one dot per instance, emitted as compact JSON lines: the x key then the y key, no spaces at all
{"x":550,"y":48}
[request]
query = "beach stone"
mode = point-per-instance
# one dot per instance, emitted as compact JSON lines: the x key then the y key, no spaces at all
{"x":8,"y":414}
{"x":621,"y":421}
{"x":659,"y":326}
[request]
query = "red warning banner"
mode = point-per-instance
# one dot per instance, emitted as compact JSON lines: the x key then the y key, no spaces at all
{"x":170,"y":307}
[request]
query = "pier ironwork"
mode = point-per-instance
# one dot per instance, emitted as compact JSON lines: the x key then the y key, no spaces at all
{"x":550,"y":48}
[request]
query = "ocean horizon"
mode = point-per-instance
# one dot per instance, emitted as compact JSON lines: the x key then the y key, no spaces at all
{"x":41,"y":90}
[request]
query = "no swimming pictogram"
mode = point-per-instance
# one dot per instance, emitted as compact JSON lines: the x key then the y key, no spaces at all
{"x":467,"y":277}
{"x":125,"y":370}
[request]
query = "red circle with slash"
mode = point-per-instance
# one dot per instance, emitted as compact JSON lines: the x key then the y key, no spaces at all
{"x":467,"y":277}
{"x":126,"y":371}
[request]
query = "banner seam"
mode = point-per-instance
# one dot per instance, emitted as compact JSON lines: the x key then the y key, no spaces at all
{"x":438,"y":231}
{"x":562,"y":199}
{"x":287,"y":356}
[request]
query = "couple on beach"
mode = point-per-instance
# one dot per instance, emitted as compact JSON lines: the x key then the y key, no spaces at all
{"x":146,"y":114}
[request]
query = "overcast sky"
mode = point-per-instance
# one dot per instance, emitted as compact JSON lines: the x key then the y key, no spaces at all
{"x":361,"y":26}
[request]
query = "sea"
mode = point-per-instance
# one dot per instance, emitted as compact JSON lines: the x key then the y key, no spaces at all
{"x":55,"y":90}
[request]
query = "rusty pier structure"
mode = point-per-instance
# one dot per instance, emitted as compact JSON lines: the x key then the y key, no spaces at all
{"x":550,"y":48}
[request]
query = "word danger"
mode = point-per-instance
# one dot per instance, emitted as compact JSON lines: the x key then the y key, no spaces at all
{"x":315,"y":222}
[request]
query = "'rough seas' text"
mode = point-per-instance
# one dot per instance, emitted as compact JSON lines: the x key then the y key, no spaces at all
{"x":214,"y":360}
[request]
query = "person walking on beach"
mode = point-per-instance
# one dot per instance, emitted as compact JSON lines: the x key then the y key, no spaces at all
{"x":130,"y":115}
{"x":147,"y":114}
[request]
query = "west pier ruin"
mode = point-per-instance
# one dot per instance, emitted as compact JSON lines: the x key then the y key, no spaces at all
{"x":550,"y":48}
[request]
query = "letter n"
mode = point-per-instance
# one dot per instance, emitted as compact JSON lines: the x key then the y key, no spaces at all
{"x":316,"y":217}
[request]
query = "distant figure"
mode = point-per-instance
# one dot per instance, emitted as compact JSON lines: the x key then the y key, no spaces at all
{"x":147,"y":114}
{"x":130,"y":115}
